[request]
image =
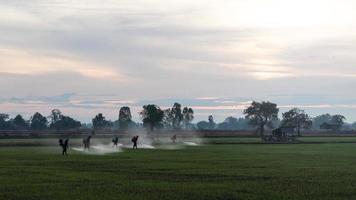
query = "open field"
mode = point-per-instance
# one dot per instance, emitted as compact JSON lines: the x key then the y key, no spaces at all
{"x":219,"y":170}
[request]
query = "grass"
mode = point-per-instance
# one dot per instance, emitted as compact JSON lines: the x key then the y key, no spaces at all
{"x":224,"y":171}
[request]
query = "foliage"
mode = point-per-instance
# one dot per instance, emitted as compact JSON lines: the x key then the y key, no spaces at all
{"x":5,"y":124}
{"x":38,"y":122}
{"x":203,"y":125}
{"x":99,"y":122}
{"x":19,"y":123}
{"x":152,"y":116}
{"x":261,"y":114}
{"x":177,"y":116}
{"x":327,"y":121}
{"x":125,"y":118}
{"x":296,"y":118}
{"x":188,"y":117}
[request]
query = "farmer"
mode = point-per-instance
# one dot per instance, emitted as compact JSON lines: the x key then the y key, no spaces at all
{"x":86,"y":143}
{"x":174,"y":139}
{"x":115,"y":141}
{"x":64,"y":146}
{"x":134,"y":141}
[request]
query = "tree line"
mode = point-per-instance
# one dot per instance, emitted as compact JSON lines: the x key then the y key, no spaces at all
{"x":260,"y":115}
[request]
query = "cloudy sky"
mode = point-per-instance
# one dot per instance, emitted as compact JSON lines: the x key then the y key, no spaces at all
{"x":90,"y":56}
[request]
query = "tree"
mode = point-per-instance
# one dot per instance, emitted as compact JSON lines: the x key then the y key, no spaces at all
{"x":212,"y":124}
{"x":54,"y":117}
{"x":230,"y":123}
{"x":327,"y":121}
{"x":58,"y":121}
{"x":188,"y":116}
{"x":203,"y":125}
{"x":99,"y":122}
{"x":167,"y":120}
{"x":338,"y":121}
{"x":321,"y":119}
{"x":125,"y":118}
{"x":152,"y":116}
{"x":297,"y":118}
{"x":5,"y":124}
{"x":177,"y":116}
{"x":19,"y":123}
{"x":261,"y":114}
{"x":38,"y":122}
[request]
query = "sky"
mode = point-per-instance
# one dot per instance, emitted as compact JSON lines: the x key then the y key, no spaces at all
{"x":89,"y":56}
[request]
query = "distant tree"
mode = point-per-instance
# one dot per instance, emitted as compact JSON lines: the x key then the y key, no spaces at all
{"x":38,"y":122}
{"x":54,"y":117}
{"x":261,"y":114}
{"x":203,"y":125}
{"x":244,"y":124}
{"x":177,"y":116}
{"x":297,"y":118}
{"x":327,"y":121}
{"x":188,"y":116}
{"x":167,"y":120}
{"x":212,"y":124}
{"x":99,"y":122}
{"x":19,"y":123}
{"x":152,"y":116}
{"x":230,"y":123}
{"x":58,"y":121}
{"x":125,"y":118}
{"x":5,"y":124}
{"x":321,"y":119}
{"x":338,"y":121}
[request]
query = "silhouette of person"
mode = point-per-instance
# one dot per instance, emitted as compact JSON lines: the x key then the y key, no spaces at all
{"x":86,"y":143}
{"x":115,"y":141}
{"x":64,"y":146}
{"x":174,"y":139}
{"x":134,"y":141}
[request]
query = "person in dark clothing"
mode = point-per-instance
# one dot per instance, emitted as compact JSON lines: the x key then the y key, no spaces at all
{"x":86,"y":143}
{"x":174,"y":139}
{"x":115,"y":141}
{"x":134,"y":141}
{"x":64,"y":146}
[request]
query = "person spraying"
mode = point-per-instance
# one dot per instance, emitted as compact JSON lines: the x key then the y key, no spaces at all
{"x":134,"y":141}
{"x":64,"y":145}
{"x":115,"y":141}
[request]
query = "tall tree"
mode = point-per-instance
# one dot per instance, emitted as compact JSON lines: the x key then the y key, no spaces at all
{"x":38,"y":122}
{"x":167,"y":120}
{"x":54,"y":117}
{"x":297,"y":118}
{"x":188,"y":116}
{"x":99,"y":122}
{"x":261,"y":114}
{"x":152,"y":116}
{"x":19,"y":123}
{"x":125,"y":118}
{"x":177,"y":115}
